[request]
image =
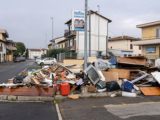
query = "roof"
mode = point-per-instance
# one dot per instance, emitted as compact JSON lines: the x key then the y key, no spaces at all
{"x":44,"y":49}
{"x":92,"y":12}
{"x":34,"y":49}
{"x":146,"y":42}
{"x":56,"y":38}
{"x":124,"y":38}
{"x":10,"y":41}
{"x":49,"y":44}
{"x":4,"y":32}
{"x":148,"y":24}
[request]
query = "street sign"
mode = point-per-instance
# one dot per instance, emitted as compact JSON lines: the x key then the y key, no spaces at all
{"x":78,"y":21}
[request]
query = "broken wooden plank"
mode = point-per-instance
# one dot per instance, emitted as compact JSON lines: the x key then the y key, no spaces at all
{"x":110,"y":76}
{"x":122,"y":73}
{"x":132,"y":61}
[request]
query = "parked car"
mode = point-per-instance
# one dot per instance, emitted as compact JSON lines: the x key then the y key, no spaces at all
{"x":38,"y":59}
{"x":46,"y":61}
{"x":23,"y":58}
{"x":17,"y":60}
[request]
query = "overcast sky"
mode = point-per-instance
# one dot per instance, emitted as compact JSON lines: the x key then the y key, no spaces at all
{"x":29,"y":20}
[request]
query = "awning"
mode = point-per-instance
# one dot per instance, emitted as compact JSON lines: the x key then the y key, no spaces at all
{"x":10,"y":47}
{"x":146,"y":42}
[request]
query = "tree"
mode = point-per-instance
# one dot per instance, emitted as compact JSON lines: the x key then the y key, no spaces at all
{"x":26,"y":55}
{"x":20,"y":49}
{"x":54,"y":52}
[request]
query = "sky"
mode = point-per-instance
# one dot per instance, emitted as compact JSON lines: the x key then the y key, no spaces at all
{"x":29,"y":21}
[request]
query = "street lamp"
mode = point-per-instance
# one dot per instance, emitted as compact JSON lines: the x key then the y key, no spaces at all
{"x":98,"y":26}
{"x":52,"y":32}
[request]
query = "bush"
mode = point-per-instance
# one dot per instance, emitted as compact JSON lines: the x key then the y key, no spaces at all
{"x":54,"y":52}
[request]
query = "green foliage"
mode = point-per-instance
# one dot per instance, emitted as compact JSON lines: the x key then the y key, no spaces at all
{"x":20,"y":49}
{"x":26,"y":55}
{"x":57,"y":101}
{"x":54,"y":52}
{"x":12,"y":99}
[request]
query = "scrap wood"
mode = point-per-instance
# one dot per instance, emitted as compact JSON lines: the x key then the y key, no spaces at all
{"x":73,"y":88}
{"x":50,"y":92}
{"x":150,"y":90}
{"x":122,"y":73}
{"x":73,"y":96}
{"x":110,"y":76}
{"x":132,"y":61}
{"x":40,"y":86}
{"x":35,"y":80}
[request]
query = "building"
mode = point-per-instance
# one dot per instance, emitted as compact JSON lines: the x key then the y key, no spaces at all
{"x":76,"y":38}
{"x":56,"y":41}
{"x":3,"y":38}
{"x":125,"y":43}
{"x":50,"y":46}
{"x":34,"y":53}
{"x":10,"y":48}
{"x":150,"y":41}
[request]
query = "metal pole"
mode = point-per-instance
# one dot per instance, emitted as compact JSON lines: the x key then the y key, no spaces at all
{"x":98,"y":27}
{"x":52,"y":32}
{"x":89,"y":33}
{"x":85,"y":37}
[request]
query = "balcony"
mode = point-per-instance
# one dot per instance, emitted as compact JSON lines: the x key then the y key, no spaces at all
{"x":150,"y":38}
{"x":70,"y":34}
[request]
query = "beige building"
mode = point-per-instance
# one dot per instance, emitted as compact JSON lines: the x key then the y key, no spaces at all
{"x":125,"y":43}
{"x":150,"y":41}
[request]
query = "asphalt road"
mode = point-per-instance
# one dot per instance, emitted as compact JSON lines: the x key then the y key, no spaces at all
{"x":27,"y":111}
{"x":24,"y":110}
{"x":8,"y":71}
{"x":117,"y":108}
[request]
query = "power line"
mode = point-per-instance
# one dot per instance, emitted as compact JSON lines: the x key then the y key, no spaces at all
{"x":113,"y":33}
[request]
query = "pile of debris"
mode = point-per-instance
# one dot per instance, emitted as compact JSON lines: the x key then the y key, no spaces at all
{"x":127,"y":74}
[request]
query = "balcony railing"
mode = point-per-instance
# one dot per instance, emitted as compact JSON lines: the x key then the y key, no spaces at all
{"x":70,"y":33}
{"x":150,"y":37}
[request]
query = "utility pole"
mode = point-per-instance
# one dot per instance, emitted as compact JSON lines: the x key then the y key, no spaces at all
{"x":98,"y":26}
{"x":85,"y":37}
{"x":89,"y":33}
{"x":52,"y":32}
{"x":107,"y":41}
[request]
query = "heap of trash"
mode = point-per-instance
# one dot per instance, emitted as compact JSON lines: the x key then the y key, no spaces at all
{"x":126,"y":74}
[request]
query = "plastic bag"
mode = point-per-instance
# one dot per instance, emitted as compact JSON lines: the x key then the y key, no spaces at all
{"x":111,"y":86}
{"x":102,"y":64}
{"x":19,"y":79}
{"x":127,"y":86}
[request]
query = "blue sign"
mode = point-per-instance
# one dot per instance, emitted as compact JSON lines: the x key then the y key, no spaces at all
{"x":150,"y":49}
{"x":19,"y":53}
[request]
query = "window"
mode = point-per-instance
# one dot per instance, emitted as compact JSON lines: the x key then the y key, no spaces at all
{"x":157,"y":32}
{"x":131,"y":46}
{"x":139,"y":47}
{"x":125,"y":55}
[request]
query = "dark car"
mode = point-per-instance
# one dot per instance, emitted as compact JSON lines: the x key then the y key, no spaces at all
{"x":23,"y":58}
{"x":17,"y":60}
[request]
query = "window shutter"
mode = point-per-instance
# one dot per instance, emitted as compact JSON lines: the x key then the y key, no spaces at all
{"x":157,"y":32}
{"x":131,"y":47}
{"x":139,"y":47}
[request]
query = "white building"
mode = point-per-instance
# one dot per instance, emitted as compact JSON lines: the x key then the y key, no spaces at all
{"x":76,"y":38}
{"x":124,"y":42}
{"x":34,"y":53}
{"x":3,"y":36}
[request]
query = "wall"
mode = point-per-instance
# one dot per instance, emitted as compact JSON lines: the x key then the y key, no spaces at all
{"x":34,"y":53}
{"x":3,"y":52}
{"x":149,"y":32}
{"x":50,"y":47}
{"x":94,"y":36}
{"x":118,"y":44}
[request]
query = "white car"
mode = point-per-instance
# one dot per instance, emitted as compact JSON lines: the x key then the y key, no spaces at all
{"x":37,"y":59}
{"x":46,"y":61}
